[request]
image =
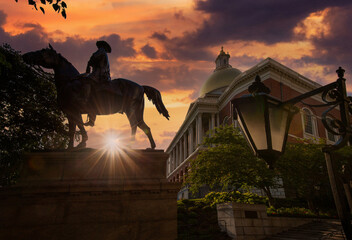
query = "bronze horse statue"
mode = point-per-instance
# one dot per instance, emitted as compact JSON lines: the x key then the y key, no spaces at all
{"x":102,"y":101}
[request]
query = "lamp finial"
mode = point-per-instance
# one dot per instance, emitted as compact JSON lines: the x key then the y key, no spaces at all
{"x":258,"y":87}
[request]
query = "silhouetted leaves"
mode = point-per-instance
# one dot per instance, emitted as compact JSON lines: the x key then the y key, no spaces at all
{"x":63,"y":13}
{"x":58,"y":7}
{"x":29,"y":115}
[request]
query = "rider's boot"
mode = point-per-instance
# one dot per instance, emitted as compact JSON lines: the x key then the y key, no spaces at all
{"x":91,"y":121}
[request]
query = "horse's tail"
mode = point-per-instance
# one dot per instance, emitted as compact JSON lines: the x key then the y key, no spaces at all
{"x":154,"y":96}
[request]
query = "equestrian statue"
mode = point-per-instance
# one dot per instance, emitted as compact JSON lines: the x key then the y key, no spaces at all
{"x":94,"y":93}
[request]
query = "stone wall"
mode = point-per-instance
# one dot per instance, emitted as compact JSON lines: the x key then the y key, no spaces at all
{"x":91,"y":195}
{"x":250,"y":221}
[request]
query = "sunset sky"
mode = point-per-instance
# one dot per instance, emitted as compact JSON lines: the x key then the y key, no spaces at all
{"x":172,"y":44}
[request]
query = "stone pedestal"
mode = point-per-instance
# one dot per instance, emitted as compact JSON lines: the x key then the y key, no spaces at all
{"x":91,"y":195}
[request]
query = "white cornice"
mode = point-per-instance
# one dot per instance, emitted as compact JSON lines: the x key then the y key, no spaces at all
{"x":268,"y":68}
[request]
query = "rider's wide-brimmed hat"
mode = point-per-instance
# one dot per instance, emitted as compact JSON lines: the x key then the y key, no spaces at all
{"x":104,"y":45}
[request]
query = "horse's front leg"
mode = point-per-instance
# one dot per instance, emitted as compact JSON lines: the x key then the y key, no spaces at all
{"x":71,"y":133}
{"x":84,"y":134}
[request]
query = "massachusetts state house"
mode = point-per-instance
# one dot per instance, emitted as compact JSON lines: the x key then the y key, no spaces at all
{"x":213,"y":108}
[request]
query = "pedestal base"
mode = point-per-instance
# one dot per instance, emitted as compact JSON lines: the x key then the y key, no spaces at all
{"x":91,"y":195}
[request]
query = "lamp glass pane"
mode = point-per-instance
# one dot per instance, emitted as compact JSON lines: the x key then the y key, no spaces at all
{"x":252,"y":112}
{"x":245,"y":134}
{"x":278,"y":121}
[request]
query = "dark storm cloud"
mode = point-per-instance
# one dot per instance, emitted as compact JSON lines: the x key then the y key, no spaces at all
{"x":165,"y":78}
{"x":179,"y":15}
{"x":334,"y":49}
{"x":2,"y":18}
{"x":159,"y":36}
{"x":149,"y":51}
{"x":244,"y":61}
{"x":269,"y":21}
{"x":176,"y":48}
{"x":76,"y":49}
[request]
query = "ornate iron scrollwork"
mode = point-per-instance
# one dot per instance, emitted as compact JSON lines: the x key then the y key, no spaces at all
{"x":333,"y":95}
{"x":340,"y":127}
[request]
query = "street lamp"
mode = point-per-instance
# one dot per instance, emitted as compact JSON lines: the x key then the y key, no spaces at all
{"x":265,"y":121}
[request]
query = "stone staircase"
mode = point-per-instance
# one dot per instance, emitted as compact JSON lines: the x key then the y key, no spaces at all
{"x":316,"y":230}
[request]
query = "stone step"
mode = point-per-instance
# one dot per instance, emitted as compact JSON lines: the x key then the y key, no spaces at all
{"x":317,"y":230}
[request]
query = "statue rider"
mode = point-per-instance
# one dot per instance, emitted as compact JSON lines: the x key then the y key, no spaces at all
{"x":100,"y":75}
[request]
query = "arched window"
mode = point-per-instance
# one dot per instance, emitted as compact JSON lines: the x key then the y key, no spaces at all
{"x":309,"y":122}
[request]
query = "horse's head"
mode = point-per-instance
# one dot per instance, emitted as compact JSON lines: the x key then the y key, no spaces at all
{"x":47,"y":57}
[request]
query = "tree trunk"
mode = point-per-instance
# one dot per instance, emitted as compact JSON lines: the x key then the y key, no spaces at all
{"x":311,"y":205}
{"x":270,"y":197}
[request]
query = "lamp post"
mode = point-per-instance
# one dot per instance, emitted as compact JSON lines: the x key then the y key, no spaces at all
{"x":265,"y":122}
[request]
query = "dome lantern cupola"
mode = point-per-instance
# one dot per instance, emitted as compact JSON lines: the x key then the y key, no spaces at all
{"x":222,"y":76}
{"x":222,"y":61}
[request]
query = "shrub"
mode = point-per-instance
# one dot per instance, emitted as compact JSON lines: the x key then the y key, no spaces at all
{"x":214,"y":198}
{"x":297,"y":212}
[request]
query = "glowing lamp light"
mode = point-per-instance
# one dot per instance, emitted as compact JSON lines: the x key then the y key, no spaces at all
{"x":264,"y":121}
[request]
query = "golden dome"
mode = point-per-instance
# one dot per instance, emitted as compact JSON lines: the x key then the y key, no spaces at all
{"x":222,"y":76}
{"x":219,"y":79}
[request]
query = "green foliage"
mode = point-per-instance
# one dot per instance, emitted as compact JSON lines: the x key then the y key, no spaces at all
{"x":228,"y":161}
{"x":58,"y":6}
{"x":29,"y":116}
{"x":297,"y":212}
{"x":303,"y":170}
{"x":344,"y":157}
{"x":214,"y":198}
{"x":197,"y":218}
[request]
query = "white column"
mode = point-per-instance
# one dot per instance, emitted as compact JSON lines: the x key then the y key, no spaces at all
{"x":174,"y":158}
{"x":190,"y":140}
{"x":177,"y":155}
{"x":185,"y":152}
{"x":212,"y":121}
{"x":199,"y":129}
{"x":181,"y":153}
{"x":168,"y":168}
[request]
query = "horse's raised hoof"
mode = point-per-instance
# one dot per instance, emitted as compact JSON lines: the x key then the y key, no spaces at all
{"x":89,"y":123}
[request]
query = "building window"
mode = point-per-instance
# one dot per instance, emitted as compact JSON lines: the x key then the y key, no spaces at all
{"x":309,"y":123}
